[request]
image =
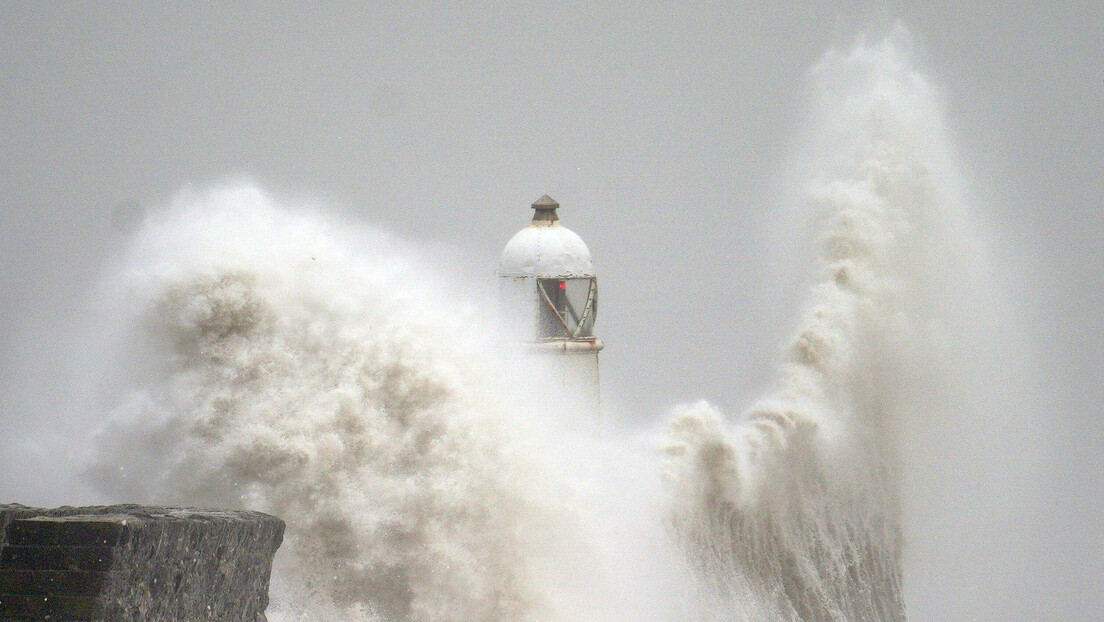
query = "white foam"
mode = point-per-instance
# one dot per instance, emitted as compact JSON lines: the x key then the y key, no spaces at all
{"x":292,"y":363}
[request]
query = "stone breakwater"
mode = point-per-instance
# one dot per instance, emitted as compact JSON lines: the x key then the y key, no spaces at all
{"x":135,"y":563}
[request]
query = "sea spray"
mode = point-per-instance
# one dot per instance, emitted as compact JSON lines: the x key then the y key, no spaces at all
{"x":306,"y":368}
{"x":283,"y":361}
{"x":792,"y":511}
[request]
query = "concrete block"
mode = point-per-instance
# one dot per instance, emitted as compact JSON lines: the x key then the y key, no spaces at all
{"x":135,"y":564}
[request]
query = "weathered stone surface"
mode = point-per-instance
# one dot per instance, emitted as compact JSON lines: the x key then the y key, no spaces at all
{"x":132,"y":563}
{"x":56,"y":557}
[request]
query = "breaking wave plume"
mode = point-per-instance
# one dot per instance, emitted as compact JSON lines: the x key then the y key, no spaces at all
{"x":280,"y":360}
{"x":792,"y":512}
{"x":298,"y":366}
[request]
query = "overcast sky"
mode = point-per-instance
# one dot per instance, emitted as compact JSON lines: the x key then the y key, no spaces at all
{"x":666,"y":133}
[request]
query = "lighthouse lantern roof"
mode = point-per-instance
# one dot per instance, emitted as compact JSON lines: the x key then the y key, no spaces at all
{"x":546,"y":249}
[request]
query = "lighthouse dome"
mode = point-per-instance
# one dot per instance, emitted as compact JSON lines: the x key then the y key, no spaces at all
{"x":545,"y":249}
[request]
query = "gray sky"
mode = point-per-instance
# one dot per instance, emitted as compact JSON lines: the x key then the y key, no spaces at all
{"x":666,"y":133}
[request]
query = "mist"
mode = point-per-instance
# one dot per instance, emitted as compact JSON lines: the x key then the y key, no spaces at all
{"x":653,"y":147}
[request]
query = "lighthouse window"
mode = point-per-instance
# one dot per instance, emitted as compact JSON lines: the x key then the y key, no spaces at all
{"x":566,"y":308}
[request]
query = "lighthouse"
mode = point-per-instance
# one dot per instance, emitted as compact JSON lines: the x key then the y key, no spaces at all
{"x":548,"y":295}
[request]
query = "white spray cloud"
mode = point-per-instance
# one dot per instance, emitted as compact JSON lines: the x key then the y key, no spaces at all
{"x":795,"y":507}
{"x":304,"y":368}
{"x":283,"y":361}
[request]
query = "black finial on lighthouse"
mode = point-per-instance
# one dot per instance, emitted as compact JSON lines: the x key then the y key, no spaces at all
{"x":545,"y":210}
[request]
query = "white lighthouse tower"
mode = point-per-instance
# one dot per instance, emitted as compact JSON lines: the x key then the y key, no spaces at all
{"x":548,"y":293}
